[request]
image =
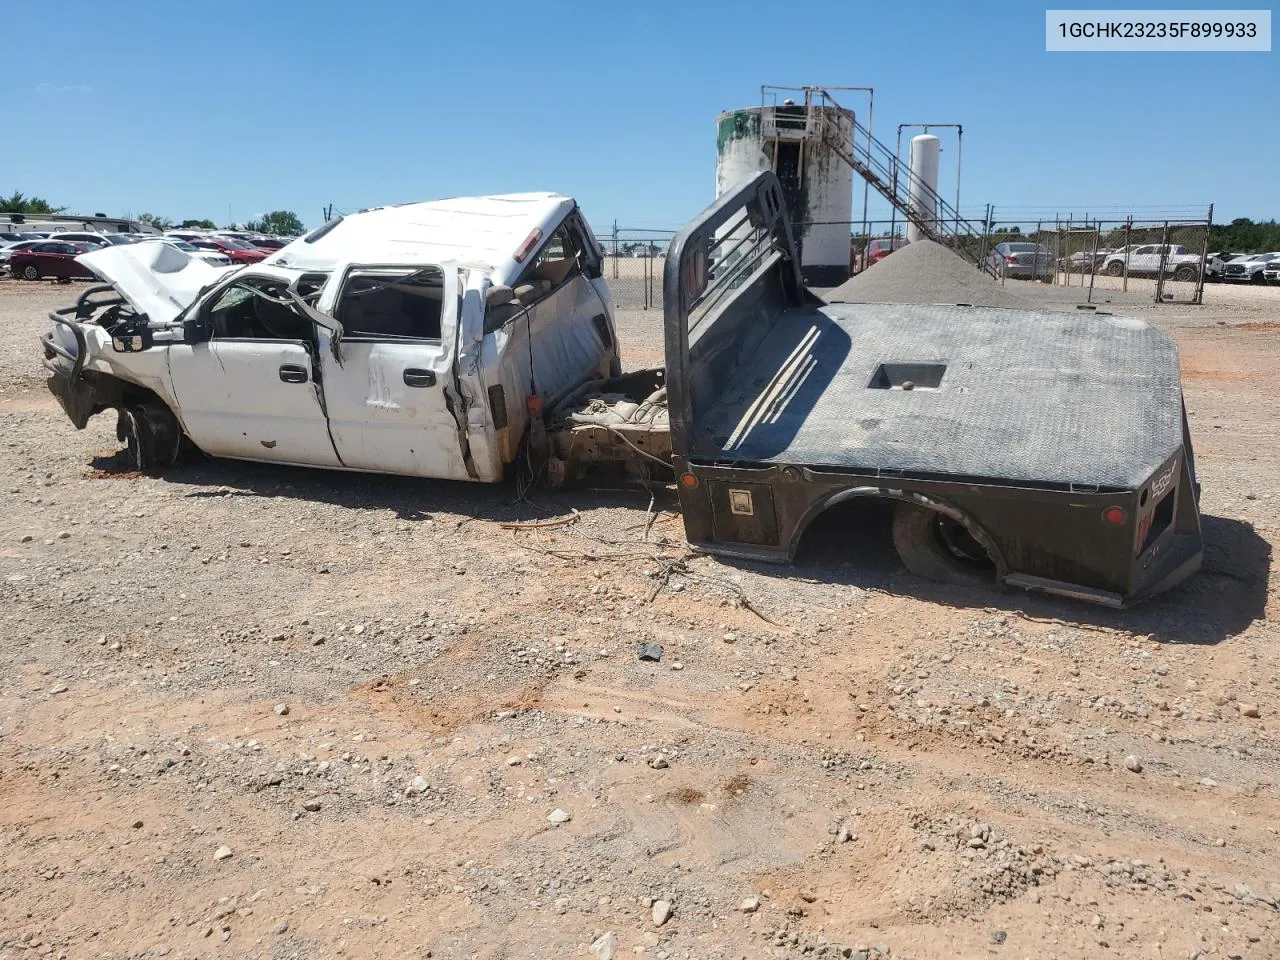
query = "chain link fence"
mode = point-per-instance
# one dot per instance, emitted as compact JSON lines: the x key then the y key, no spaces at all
{"x":633,"y":262}
{"x":1090,"y":260}
{"x":1164,"y":261}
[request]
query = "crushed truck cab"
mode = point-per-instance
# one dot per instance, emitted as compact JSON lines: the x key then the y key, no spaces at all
{"x":418,"y":339}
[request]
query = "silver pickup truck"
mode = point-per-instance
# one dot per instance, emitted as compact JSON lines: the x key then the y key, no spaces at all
{"x":419,"y":339}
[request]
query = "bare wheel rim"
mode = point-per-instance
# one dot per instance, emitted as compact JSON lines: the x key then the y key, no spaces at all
{"x":959,"y":543}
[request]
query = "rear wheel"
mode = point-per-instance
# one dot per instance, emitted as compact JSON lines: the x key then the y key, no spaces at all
{"x":30,"y":272}
{"x":1116,"y":268}
{"x":1185,"y":273}
{"x":1258,"y":278}
{"x":936,"y":547}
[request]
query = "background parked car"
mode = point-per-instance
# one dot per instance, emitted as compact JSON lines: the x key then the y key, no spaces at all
{"x":1083,"y":261}
{"x":270,"y":244}
{"x":1214,"y":262}
{"x":1248,"y":269}
{"x":1271,"y":272}
{"x":238,"y":251}
{"x":54,"y":259}
{"x":1145,"y":260}
{"x":879,"y":248}
{"x":208,"y":256}
{"x":1022,"y":260}
{"x":96,"y":239}
{"x":9,"y":248}
{"x":12,"y":237}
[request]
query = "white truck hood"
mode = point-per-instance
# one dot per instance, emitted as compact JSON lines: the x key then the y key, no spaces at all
{"x":157,"y":279}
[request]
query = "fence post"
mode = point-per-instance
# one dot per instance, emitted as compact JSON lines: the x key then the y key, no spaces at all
{"x":646,"y":278}
{"x":615,"y":249}
{"x":986,"y":228}
{"x":1128,"y":232}
{"x":1164,"y":255}
{"x":1093,"y":262}
{"x":1064,"y":243}
{"x":1198,"y":297}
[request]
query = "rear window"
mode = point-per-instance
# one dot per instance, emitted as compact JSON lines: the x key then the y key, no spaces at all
{"x":1023,"y":247}
{"x":387,"y":306}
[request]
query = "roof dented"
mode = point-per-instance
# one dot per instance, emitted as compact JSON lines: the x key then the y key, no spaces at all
{"x":472,"y":231}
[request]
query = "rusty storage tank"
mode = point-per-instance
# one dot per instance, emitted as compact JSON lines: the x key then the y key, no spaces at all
{"x":793,"y":142}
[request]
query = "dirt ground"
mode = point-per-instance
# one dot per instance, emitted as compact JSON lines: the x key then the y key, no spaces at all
{"x":249,"y":711}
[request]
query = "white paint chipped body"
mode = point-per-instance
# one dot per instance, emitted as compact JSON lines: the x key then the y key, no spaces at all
{"x":292,"y":384}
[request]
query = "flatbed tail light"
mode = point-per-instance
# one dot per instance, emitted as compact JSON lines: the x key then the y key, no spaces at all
{"x":1115,"y":515}
{"x":688,"y":481}
{"x":526,"y":248}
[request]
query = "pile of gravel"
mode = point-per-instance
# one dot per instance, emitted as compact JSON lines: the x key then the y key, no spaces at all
{"x":925,"y":272}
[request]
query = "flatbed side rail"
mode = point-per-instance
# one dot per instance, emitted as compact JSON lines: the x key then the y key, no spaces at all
{"x":741,"y":242}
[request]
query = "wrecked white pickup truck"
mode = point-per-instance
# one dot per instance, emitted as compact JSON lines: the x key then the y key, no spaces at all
{"x":420,"y":339}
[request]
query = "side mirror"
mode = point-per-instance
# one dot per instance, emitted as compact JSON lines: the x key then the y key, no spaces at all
{"x":499,"y":294}
{"x":195,"y":330}
{"x":132,"y":336}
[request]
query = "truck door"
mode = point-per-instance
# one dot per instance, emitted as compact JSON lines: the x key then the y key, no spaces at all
{"x":1145,"y":259}
{"x":390,"y":394}
{"x":570,"y":322}
{"x":249,"y":390}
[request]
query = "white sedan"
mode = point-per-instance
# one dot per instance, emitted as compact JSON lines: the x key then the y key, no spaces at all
{"x":212,"y":257}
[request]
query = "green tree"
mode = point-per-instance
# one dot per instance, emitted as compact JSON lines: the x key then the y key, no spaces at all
{"x":18,"y":202}
{"x":1243,"y":235}
{"x":197,"y":225}
{"x":151,"y":220}
{"x":282,"y":222}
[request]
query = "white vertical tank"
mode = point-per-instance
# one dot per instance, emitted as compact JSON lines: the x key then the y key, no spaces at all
{"x":923,"y":185}
{"x":817,"y":184}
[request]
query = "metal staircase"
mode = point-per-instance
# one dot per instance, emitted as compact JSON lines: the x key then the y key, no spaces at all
{"x":881,"y":168}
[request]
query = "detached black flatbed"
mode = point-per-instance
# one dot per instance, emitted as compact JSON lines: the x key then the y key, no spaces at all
{"x":1040,"y":449}
{"x":996,"y":394}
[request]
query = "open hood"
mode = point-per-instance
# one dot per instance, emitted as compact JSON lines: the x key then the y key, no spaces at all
{"x":157,"y":279}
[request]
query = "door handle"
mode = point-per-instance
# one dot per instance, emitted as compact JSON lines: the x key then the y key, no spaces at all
{"x":292,"y":373}
{"x":419,"y":378}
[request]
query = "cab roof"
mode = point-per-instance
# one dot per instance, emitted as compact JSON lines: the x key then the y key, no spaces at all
{"x":481,"y":232}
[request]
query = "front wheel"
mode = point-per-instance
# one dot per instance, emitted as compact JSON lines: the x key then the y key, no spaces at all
{"x":30,"y":272}
{"x":936,"y":547}
{"x":151,"y":436}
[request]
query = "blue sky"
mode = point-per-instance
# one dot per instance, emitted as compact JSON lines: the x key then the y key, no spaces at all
{"x":210,"y":110}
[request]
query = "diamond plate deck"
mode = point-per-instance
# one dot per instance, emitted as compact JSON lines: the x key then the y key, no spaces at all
{"x":1027,"y":396}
